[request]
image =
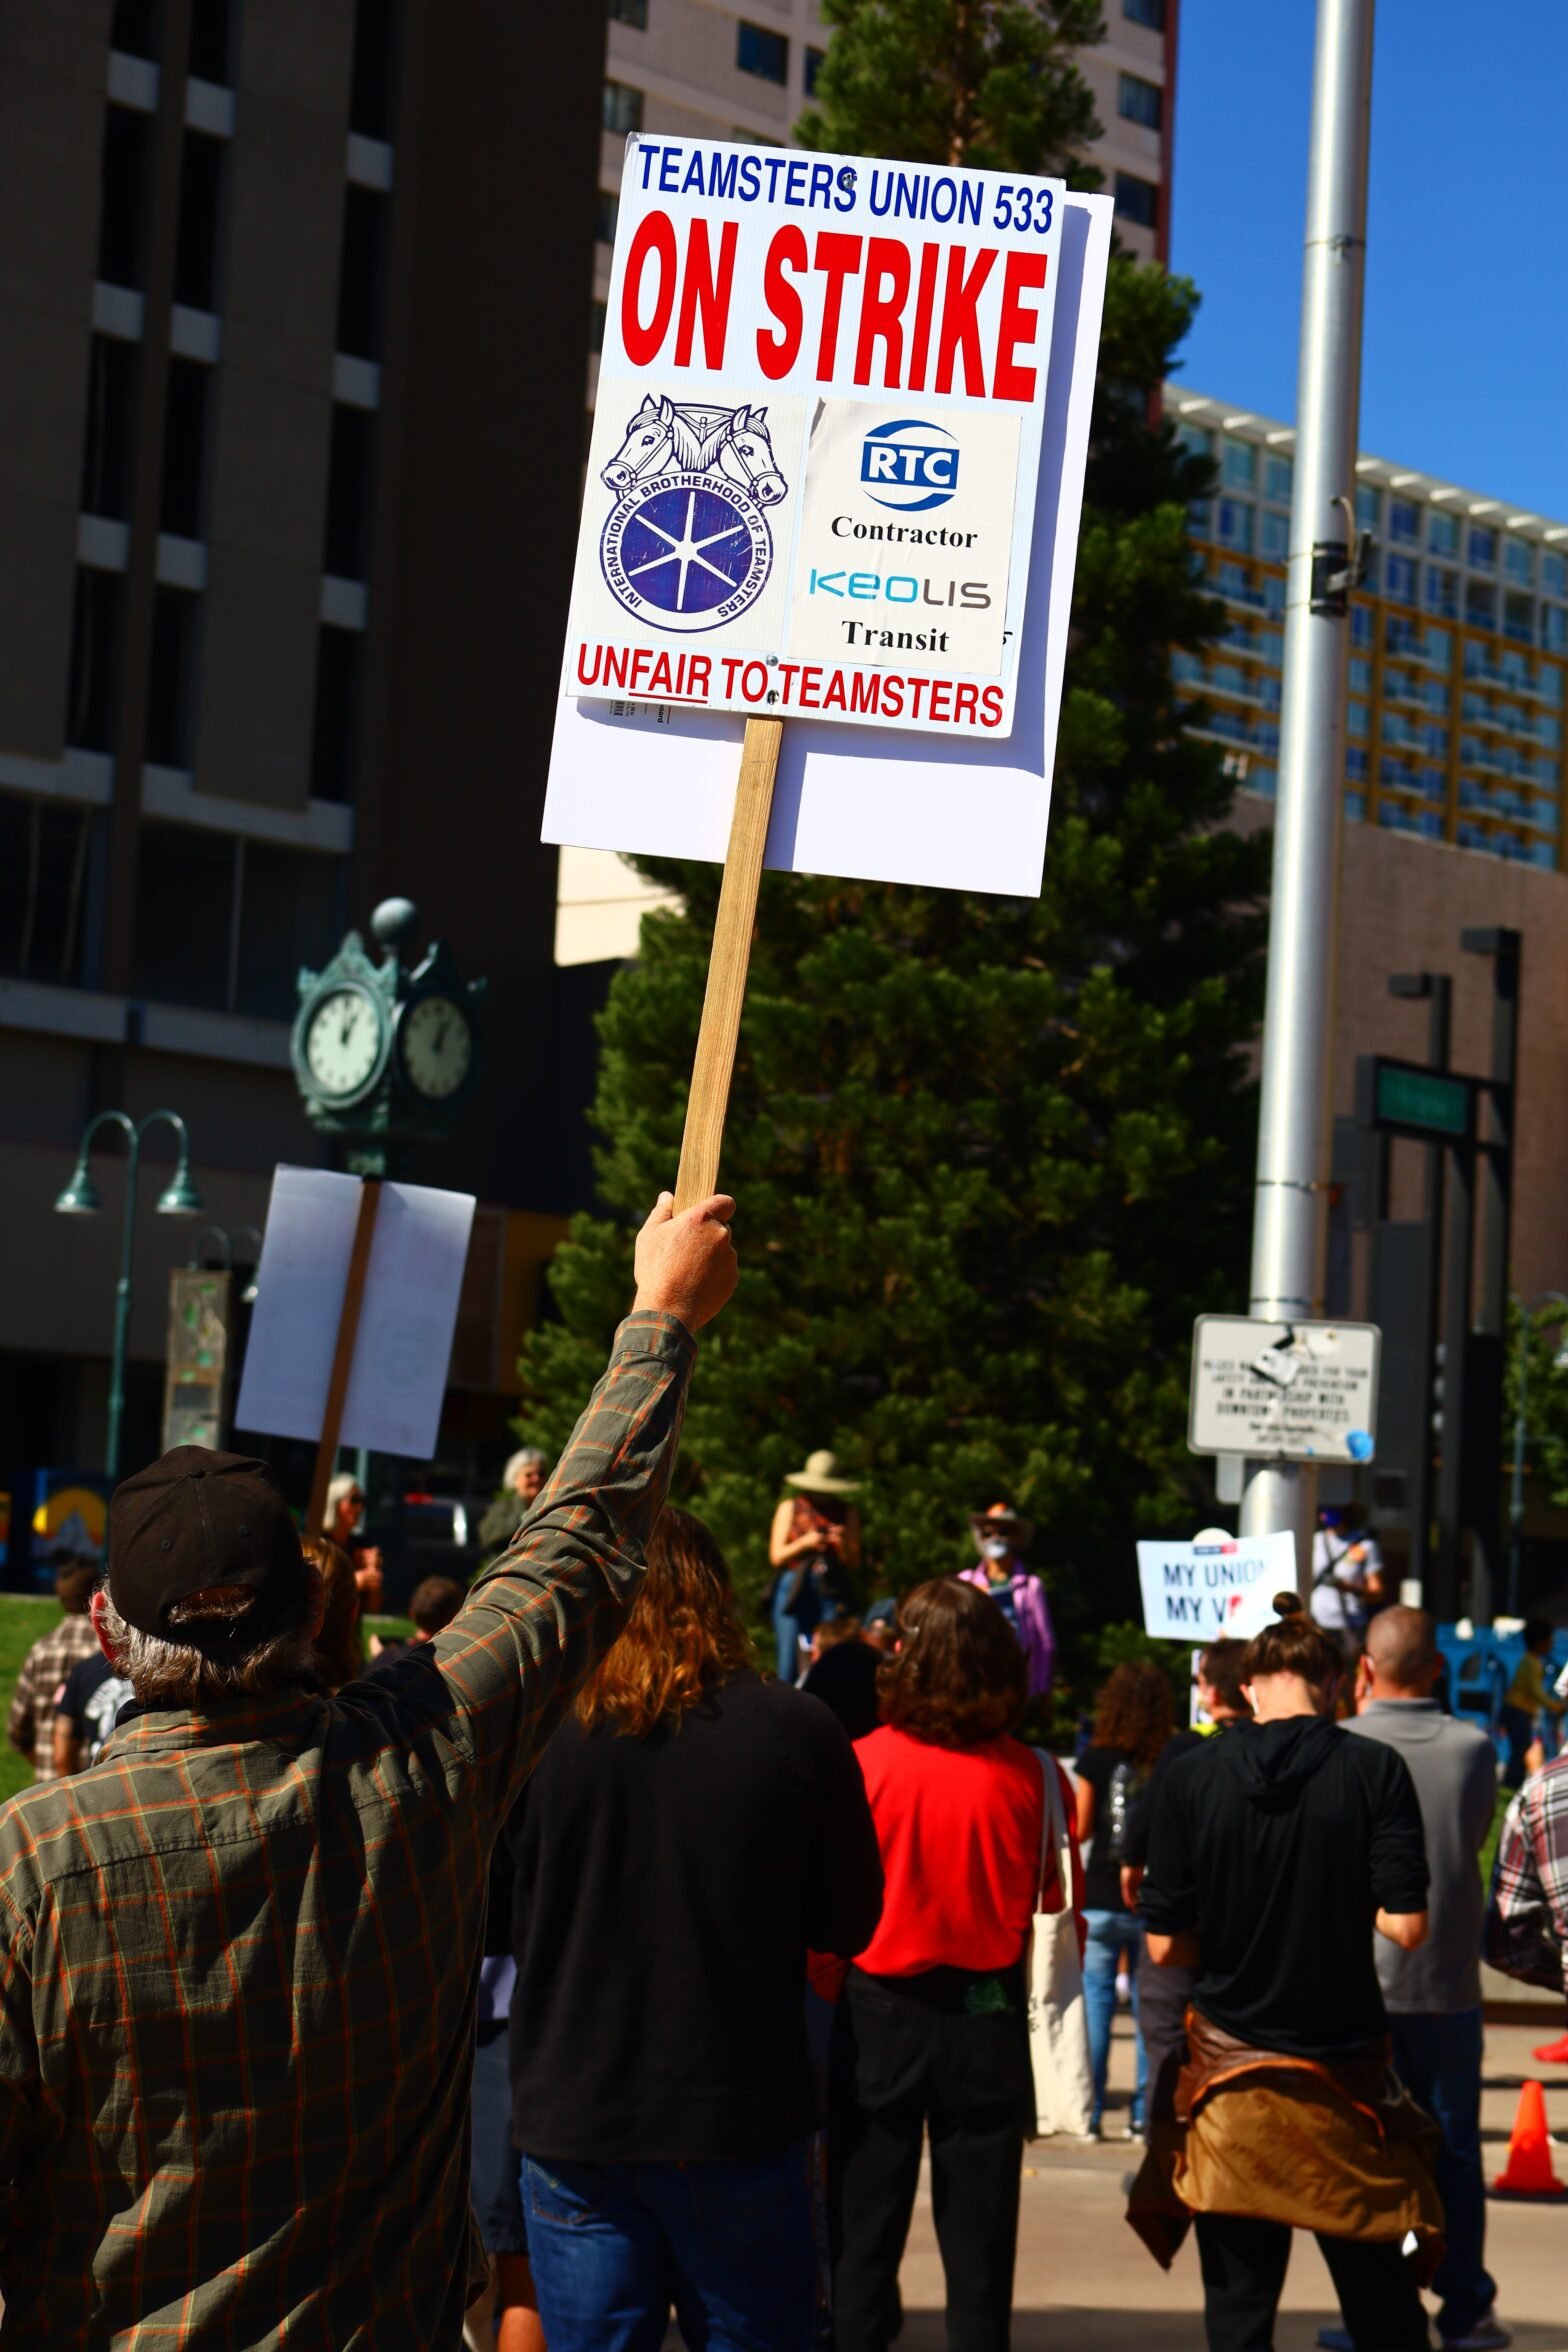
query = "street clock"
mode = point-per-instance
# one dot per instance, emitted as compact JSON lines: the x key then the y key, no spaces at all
{"x":385,"y":1054}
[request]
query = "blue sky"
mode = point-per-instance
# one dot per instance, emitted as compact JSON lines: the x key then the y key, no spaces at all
{"x":1465,"y":361}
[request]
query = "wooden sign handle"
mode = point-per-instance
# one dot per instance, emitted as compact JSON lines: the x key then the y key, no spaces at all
{"x":343,"y":1357}
{"x":731,"y":953}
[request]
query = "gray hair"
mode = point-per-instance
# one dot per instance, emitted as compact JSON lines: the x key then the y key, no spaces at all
{"x":525,"y":1458}
{"x":174,"y":1674}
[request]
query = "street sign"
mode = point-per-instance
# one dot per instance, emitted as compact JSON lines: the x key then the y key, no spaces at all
{"x":1216,"y":1585}
{"x":811,"y":482}
{"x":1421,"y":1102}
{"x":1295,"y":1392}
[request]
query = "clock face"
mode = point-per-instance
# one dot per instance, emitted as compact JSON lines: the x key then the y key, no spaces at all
{"x":343,"y":1042}
{"x":438,"y":1046}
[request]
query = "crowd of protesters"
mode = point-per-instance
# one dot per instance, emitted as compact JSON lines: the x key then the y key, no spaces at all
{"x":560,"y":1969}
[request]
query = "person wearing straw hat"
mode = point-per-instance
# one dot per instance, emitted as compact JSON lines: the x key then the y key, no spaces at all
{"x":1001,"y":1538}
{"x":814,"y":1547}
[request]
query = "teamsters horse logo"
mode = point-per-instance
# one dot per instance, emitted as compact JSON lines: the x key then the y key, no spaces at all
{"x":687,"y":545}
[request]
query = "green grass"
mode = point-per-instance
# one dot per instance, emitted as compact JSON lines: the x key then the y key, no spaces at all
{"x":22,"y":1620}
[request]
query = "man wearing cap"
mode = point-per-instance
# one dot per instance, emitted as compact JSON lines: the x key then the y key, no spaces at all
{"x":1001,"y":1537}
{"x":814,"y":1549}
{"x":239,"y":1955}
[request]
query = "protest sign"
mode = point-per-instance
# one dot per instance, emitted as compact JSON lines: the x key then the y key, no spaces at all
{"x":811,"y":482}
{"x":876,"y":805}
{"x":356,"y":1302}
{"x":1215,"y":1585}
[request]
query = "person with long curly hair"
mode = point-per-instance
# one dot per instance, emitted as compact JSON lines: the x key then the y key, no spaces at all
{"x":933,"y":2029}
{"x":691,"y":1831}
{"x":1134,"y":1717}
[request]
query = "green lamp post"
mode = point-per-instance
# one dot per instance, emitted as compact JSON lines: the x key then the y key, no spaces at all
{"x":81,"y":1198}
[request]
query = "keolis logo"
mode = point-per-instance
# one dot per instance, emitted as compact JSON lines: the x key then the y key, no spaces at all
{"x":910,"y":465}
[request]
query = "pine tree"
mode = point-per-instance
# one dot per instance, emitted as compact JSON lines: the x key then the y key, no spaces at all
{"x":991,"y":1155}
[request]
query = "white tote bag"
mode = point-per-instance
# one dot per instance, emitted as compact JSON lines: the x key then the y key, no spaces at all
{"x":1058,"y":2021}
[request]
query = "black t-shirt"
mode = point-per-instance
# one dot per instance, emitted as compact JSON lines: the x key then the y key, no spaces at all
{"x":668,"y":1890}
{"x":845,"y":1679}
{"x":1277,"y":1843}
{"x":1135,"y":1841}
{"x":1117,"y":1783}
{"x":90,"y":1703}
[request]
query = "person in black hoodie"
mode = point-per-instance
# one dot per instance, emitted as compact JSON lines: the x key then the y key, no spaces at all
{"x":1274,"y":1853}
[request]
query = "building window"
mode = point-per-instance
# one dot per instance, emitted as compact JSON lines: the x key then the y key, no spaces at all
{"x":197,"y":234}
{"x":1404,"y":522}
{"x":134,"y":27}
{"x":1368,"y":507}
{"x":44,"y":853}
{"x":1399,"y":579}
{"x":1554,"y":573}
{"x":1239,"y":465}
{"x":598,"y":312}
{"x":346,"y":549}
{"x":373,"y":85}
{"x":1138,"y":200}
{"x":122,"y":215}
{"x":1279,"y":477}
{"x":630,"y":12}
{"x":1442,"y":592}
{"x":1356,"y":719}
{"x":1436,"y":645}
{"x":1273,"y":536}
{"x":112,"y":374}
{"x":1554,"y":628}
{"x":761,"y":52}
{"x":621,"y":108}
{"x":1356,"y":763}
{"x":1235,"y":525}
{"x":182,"y":494}
{"x":1519,"y":618}
{"x":1442,"y":532}
{"x":1480,"y":605}
{"x":186,"y":905}
{"x":171,"y":677}
{"x":1196,"y":440}
{"x":811,"y":69}
{"x":1138,"y":101}
{"x":212,"y":41}
{"x":1481,"y":548}
{"x":360,"y":273}
{"x":1361,"y":631}
{"x":1519,"y":563}
{"x":92,"y":696}
{"x":606,"y":213}
{"x":334,"y":745}
{"x":1145,"y":12}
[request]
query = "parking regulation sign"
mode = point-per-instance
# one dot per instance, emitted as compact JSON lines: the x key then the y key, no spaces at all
{"x":1295,"y":1392}
{"x":811,"y":483}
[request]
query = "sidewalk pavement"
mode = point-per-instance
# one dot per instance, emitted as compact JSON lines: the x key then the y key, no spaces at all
{"x":1085,"y":2283}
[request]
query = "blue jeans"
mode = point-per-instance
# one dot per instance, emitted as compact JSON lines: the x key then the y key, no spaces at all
{"x":1439,"y":2060}
{"x":613,"y":2246}
{"x":798,"y":1622}
{"x":1110,"y":1934}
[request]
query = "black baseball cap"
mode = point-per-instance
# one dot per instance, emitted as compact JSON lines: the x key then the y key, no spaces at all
{"x":194,"y":1519}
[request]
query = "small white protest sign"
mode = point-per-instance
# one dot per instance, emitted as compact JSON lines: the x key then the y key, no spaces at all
{"x":1216,"y":1584}
{"x":812,"y":474}
{"x":657,"y":777}
{"x":1302,"y":1391}
{"x":403,"y":1346}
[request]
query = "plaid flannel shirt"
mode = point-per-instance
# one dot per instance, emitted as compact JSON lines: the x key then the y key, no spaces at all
{"x":239,"y":1956}
{"x":1527,"y":1918}
{"x":30,"y":1727}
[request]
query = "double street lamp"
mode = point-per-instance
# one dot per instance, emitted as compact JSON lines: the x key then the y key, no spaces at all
{"x":1527,"y":1314}
{"x":81,"y":1198}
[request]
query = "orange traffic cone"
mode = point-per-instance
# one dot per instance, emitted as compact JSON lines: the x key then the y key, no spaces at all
{"x":1528,"y":2171}
{"x":1553,"y":2053}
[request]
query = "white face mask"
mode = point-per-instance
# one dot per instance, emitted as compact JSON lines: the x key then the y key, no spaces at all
{"x":995,"y":1547}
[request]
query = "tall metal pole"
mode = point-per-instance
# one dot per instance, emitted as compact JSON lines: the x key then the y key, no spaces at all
{"x":1294,"y":1125}
{"x":122,"y":1310}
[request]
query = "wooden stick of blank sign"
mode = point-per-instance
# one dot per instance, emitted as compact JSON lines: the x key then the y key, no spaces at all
{"x":727,"y":962}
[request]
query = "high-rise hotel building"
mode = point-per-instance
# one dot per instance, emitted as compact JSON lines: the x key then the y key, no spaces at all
{"x":1458,"y":641}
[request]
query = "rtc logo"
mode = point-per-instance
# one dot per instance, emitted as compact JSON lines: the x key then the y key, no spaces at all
{"x":910,"y":465}
{"x":686,"y":545}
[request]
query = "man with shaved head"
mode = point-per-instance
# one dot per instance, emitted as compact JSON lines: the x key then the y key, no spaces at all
{"x":1433,"y":1994}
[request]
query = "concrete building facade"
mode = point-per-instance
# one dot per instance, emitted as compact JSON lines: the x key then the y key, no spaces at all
{"x":285,"y":535}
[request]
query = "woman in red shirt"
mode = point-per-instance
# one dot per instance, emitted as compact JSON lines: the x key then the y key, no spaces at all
{"x":934,"y":2034}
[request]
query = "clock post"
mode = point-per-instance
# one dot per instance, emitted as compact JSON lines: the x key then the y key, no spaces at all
{"x":385,"y":1055}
